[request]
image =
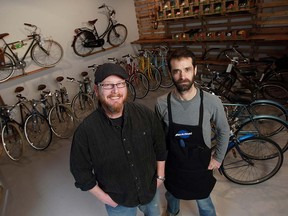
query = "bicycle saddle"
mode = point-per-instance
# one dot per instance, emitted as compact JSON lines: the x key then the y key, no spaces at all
{"x":92,"y":22}
{"x":84,"y":73}
{"x":3,"y":35}
{"x":41,"y":87}
{"x":59,"y":79}
{"x":19,"y":89}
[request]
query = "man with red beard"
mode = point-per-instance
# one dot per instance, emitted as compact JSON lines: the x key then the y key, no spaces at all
{"x":186,"y":114}
{"x":118,"y":152}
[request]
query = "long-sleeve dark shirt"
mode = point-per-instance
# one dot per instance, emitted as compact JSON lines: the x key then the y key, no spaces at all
{"x":122,"y":161}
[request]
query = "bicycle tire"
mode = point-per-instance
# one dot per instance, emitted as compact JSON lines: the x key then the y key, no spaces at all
{"x":38,"y":131}
{"x":268,"y":107}
{"x":166,"y":77}
{"x":12,"y":140}
{"x":117,"y":35}
{"x":140,"y":83}
{"x":131,"y":92}
{"x":78,"y":43}
{"x":61,"y":119}
{"x":154,"y":77}
{"x":7,"y":70}
{"x":82,"y":105}
{"x":272,"y":127}
{"x":47,"y":54}
{"x":256,"y":160}
{"x":272,"y":91}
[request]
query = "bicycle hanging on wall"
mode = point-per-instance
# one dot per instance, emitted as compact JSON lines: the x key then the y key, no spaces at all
{"x":44,"y":52}
{"x":87,"y":39}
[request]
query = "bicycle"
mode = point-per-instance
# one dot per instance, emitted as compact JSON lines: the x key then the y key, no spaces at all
{"x":44,"y":52}
{"x":162,"y":65}
{"x":59,"y":115}
{"x":36,"y":127}
{"x":147,"y":67}
{"x":86,"y":39}
{"x":83,"y":103}
{"x":251,"y":160}
{"x":138,"y":79}
{"x":263,"y":86}
{"x":255,"y":89}
{"x":11,"y":135}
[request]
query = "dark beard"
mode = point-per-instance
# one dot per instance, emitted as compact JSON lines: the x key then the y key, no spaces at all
{"x":183,"y":87}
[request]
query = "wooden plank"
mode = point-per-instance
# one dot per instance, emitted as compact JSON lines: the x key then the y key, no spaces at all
{"x":273,"y":14}
{"x":273,"y":4}
{"x":272,"y":22}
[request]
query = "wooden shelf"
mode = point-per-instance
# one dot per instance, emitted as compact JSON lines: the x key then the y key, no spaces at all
{"x":266,"y":37}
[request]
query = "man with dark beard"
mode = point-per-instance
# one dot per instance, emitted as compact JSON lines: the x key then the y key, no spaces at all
{"x":186,"y":114}
{"x":118,"y":152}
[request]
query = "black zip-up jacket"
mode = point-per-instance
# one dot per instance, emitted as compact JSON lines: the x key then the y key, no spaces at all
{"x":122,"y":161}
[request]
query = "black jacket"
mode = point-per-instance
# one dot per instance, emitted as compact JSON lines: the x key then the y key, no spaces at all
{"x":121,"y":160}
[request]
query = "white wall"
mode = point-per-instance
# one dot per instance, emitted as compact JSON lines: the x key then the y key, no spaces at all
{"x":58,"y":19}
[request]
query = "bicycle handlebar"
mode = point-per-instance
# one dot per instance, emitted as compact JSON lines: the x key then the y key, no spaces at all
{"x":30,"y":25}
{"x":102,"y":6}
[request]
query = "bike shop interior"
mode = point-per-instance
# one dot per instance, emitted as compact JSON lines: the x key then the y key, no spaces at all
{"x":40,"y":183}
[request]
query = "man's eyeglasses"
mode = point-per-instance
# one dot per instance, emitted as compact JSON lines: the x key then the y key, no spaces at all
{"x":112,"y":85}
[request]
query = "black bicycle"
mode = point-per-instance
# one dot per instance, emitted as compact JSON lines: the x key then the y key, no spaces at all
{"x":86,"y":39}
{"x":44,"y":52}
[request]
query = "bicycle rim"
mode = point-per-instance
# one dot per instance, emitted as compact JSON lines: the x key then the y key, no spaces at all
{"x":79,"y":41}
{"x":257,"y":160}
{"x":154,"y":78}
{"x":47,"y":54}
{"x":166,"y":78}
{"x":38,"y":132}
{"x":117,"y":35}
{"x":62,"y":122}
{"x":12,"y":140}
{"x":7,"y":70}
{"x":131,"y":92}
{"x":82,"y":106}
{"x":272,"y":91}
{"x":266,"y":126}
{"x":141,"y":84}
{"x":267,"y":107}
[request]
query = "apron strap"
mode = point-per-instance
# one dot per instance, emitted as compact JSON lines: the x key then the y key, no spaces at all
{"x":170,"y":121}
{"x":201,"y":109}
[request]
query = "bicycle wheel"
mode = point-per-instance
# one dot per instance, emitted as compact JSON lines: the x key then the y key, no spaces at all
{"x":272,"y":91}
{"x":47,"y":54}
{"x":117,"y":35}
{"x":268,"y":107}
{"x":131,"y":92}
{"x":12,"y":140}
{"x":82,"y":105}
{"x":140,"y":83}
{"x":7,"y":70}
{"x":62,"y":122}
{"x":266,"y":126}
{"x":154,"y":77}
{"x":80,"y":40}
{"x":256,"y":160}
{"x":38,"y":131}
{"x":166,"y":78}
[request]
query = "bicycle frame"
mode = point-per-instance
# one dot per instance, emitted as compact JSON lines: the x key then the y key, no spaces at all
{"x":111,"y":23}
{"x":35,"y":39}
